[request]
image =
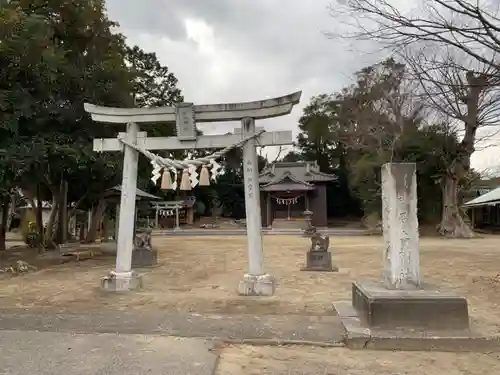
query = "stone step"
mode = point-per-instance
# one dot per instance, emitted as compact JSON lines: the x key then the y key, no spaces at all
{"x":288,"y":224}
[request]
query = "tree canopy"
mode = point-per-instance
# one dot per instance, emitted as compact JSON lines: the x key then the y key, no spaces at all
{"x":54,"y":56}
{"x":449,"y":48}
{"x":376,"y":120}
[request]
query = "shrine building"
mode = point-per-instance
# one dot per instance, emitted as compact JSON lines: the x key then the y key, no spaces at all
{"x":287,"y":189}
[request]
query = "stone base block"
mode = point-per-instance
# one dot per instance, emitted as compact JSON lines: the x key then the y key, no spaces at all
{"x":121,"y":282}
{"x":319,"y":261}
{"x":261,"y":285}
{"x":144,"y":258}
{"x":426,"y":308}
{"x":359,"y":336}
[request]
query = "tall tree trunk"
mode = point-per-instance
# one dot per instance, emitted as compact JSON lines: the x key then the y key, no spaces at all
{"x":62,"y":227}
{"x":4,"y":214}
{"x":452,"y":224}
{"x":38,"y":214}
{"x":96,"y":221}
{"x":12,"y":210}
{"x":49,"y":233}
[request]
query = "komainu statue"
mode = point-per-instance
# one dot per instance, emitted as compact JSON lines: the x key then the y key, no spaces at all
{"x":319,"y":242}
{"x":143,"y":240}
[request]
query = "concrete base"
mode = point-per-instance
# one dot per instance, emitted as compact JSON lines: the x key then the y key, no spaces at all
{"x":261,"y":285}
{"x":359,"y":336}
{"x":144,"y":258}
{"x":426,"y":308}
{"x":320,"y":261}
{"x":121,"y":282}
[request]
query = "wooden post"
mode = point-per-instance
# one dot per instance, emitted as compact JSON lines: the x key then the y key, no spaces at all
{"x":117,"y":220}
{"x":177,"y":222}
{"x":89,"y":219}
{"x":60,"y":217}
{"x":64,"y":214}
{"x":268,"y":209}
{"x":105,"y":228}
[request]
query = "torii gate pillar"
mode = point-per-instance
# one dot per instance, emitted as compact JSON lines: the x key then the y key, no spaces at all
{"x":256,"y":282}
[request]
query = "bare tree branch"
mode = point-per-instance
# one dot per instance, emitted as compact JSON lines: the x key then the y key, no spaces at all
{"x":472,"y":27}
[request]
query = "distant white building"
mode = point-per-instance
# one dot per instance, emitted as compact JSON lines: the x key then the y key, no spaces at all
{"x":46,"y":207}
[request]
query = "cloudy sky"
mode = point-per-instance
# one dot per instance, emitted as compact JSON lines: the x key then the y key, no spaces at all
{"x":243,"y":50}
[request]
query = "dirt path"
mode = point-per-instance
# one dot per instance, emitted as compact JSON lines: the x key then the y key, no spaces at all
{"x":200,"y":274}
{"x":295,"y":360}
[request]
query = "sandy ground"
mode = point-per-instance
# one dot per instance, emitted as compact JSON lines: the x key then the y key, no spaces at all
{"x":201,"y":274}
{"x":248,"y":360}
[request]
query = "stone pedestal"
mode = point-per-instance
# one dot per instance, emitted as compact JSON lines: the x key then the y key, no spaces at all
{"x":143,"y":254}
{"x":400,"y":307}
{"x":121,"y":281}
{"x":319,"y":261}
{"x":144,"y":258}
{"x":318,"y":257}
{"x":424,"y":308}
{"x":261,"y":285}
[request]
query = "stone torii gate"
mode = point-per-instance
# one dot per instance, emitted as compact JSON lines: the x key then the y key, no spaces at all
{"x":185,"y":115}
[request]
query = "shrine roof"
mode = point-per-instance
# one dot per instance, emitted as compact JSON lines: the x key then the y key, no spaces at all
{"x":287,"y":186}
{"x":491,"y":198}
{"x":140,"y":194}
{"x":300,"y":172}
{"x":287,"y":182}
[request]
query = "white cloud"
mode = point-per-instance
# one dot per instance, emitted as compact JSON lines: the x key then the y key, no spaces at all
{"x":235,"y":50}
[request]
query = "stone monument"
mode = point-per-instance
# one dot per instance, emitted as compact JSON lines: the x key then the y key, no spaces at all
{"x":318,"y":257}
{"x":400,"y":300}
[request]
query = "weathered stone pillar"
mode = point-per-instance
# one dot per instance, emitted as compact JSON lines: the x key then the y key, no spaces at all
{"x":255,"y":282}
{"x":400,"y":225}
{"x":124,"y":278}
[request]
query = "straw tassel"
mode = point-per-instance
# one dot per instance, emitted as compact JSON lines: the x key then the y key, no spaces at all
{"x":166,"y":180}
{"x":174,"y":180}
{"x":185,"y":181}
{"x":204,"y":176}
